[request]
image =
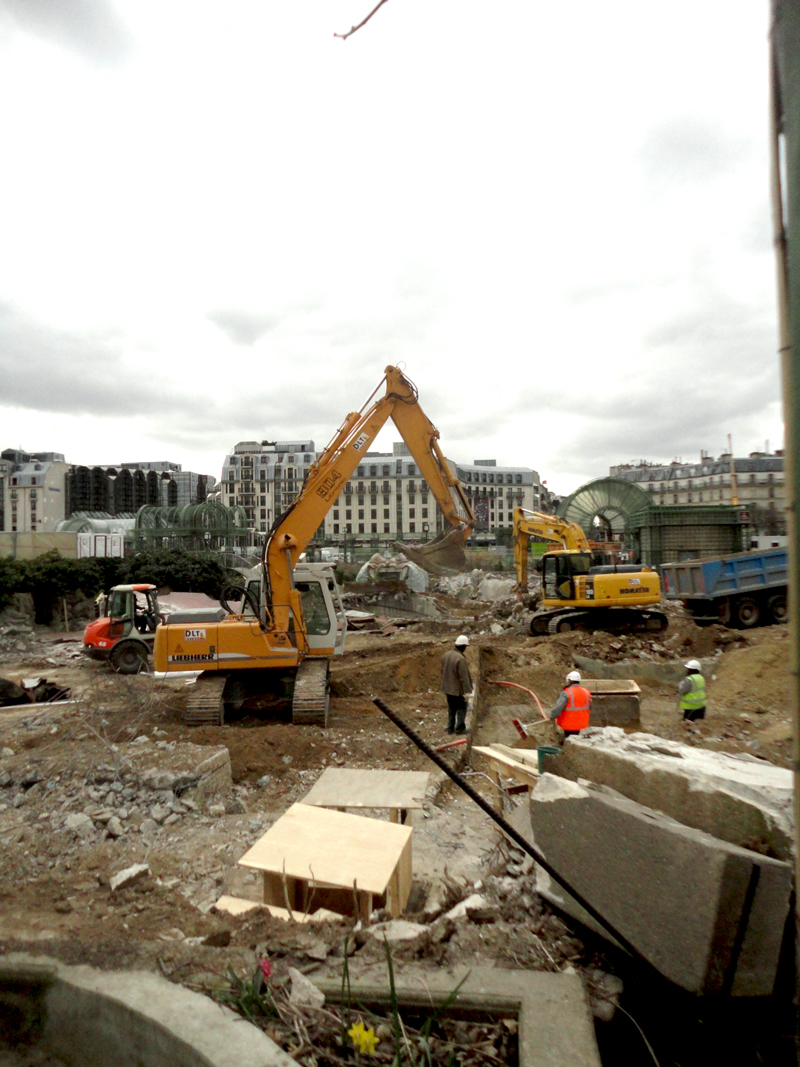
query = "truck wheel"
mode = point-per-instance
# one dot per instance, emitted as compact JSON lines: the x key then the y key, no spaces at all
{"x":129,"y":657}
{"x":564,"y":626}
{"x":747,"y":612}
{"x":539,"y":626}
{"x":776,"y":605}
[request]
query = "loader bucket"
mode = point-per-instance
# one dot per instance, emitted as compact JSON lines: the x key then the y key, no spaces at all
{"x":443,"y":555}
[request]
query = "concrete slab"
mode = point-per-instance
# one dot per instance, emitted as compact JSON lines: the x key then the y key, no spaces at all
{"x":133,"y":1019}
{"x":555,"y":1019}
{"x":736,"y":798}
{"x":707,"y":914}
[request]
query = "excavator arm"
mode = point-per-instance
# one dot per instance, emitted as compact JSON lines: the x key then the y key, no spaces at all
{"x":529,"y":524}
{"x":292,"y":531}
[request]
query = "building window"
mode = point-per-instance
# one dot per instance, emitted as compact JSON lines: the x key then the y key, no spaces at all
{"x":424,"y":511}
{"x":373,"y":514}
{"x":675,"y":498}
{"x":361,"y":514}
{"x":386,"y":500}
{"x":412,"y":527}
{"x":412,"y":513}
{"x":424,"y":498}
{"x":518,"y":479}
{"x":361,"y":527}
{"x":374,"y":527}
{"x":336,"y":527}
{"x":349,"y":528}
{"x":336,"y":513}
{"x":386,"y":470}
{"x":386,"y":513}
{"x":360,"y":472}
{"x":361,"y":500}
{"x":386,"y":527}
{"x":348,"y":514}
{"x":263,"y":513}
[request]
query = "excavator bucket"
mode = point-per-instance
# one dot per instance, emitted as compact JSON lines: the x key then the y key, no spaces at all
{"x":443,"y":555}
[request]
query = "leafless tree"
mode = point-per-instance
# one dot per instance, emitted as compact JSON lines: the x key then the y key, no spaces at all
{"x":353,"y":29}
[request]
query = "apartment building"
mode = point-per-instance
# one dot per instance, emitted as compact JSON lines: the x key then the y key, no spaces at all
{"x":757,"y":481}
{"x":386,"y":497}
{"x":265,"y":477}
{"x":32,"y":496}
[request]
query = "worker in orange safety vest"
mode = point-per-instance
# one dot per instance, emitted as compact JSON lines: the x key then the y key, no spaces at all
{"x":573,"y":707}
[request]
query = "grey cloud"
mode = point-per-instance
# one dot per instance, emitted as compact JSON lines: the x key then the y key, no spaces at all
{"x":243,"y":327}
{"x":690,"y":149}
{"x":92,"y":28}
{"x":47,"y":369}
{"x":699,"y":375}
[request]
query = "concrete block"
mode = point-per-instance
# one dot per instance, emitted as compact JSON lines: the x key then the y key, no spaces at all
{"x":615,"y":709}
{"x":707,"y":914}
{"x":555,"y":1020}
{"x":737,"y":798}
{"x":132,"y":1019}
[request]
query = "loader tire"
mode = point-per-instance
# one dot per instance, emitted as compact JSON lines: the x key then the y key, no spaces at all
{"x":129,"y":657}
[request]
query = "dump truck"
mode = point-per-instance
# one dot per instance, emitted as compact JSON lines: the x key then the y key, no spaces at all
{"x":741,"y":591}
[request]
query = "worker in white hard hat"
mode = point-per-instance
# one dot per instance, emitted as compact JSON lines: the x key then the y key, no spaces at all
{"x":573,"y":707}
{"x":692,"y":692}
{"x":456,"y":685}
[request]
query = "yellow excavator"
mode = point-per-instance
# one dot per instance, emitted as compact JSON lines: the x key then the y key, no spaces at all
{"x":292,"y":619}
{"x":577,"y":595}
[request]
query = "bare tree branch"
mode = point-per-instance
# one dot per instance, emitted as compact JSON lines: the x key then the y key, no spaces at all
{"x":353,"y":29}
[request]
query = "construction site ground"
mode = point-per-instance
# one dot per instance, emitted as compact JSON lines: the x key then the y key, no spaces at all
{"x":55,"y":897}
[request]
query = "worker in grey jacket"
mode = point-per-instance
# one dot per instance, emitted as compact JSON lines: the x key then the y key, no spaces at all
{"x":456,"y":685}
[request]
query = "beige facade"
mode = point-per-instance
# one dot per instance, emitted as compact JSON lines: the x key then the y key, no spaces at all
{"x":758,"y":483}
{"x":33,"y":491}
{"x":385,"y":498}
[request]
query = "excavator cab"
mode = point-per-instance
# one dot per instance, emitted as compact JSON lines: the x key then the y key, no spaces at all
{"x":559,"y":572}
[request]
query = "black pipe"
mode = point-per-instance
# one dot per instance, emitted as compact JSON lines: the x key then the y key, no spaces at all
{"x":507,"y":828}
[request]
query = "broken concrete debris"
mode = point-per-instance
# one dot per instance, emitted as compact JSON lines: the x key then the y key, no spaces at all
{"x":707,"y":914}
{"x":735,"y":797}
{"x":129,"y":876}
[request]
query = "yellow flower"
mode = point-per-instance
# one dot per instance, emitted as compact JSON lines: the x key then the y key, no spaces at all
{"x":363,"y":1038}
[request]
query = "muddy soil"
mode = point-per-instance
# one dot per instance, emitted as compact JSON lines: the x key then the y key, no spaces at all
{"x":54,"y":882}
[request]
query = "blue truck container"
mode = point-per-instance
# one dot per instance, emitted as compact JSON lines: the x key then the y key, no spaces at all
{"x":743,"y":590}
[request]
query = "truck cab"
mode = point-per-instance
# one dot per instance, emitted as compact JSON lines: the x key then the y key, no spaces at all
{"x":126,"y":629}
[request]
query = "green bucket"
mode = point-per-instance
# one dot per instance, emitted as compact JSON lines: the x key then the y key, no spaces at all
{"x":546,"y":750}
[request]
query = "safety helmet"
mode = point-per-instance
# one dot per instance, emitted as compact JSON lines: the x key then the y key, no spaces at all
{"x":574,"y":676}
{"x":462,"y":641}
{"x":692,"y":665}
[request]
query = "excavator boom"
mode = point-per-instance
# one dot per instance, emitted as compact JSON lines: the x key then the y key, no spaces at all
{"x":293,"y":530}
{"x":577,"y":595}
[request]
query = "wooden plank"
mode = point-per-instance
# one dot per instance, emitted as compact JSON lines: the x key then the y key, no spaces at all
{"x":240,"y":906}
{"x":330,"y":847}
{"x":348,"y":787}
{"x":528,"y":756}
{"x":511,"y":768}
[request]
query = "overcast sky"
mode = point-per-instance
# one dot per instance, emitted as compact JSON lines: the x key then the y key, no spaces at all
{"x":221,"y":223}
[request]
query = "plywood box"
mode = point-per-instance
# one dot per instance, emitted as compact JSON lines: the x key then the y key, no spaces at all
{"x":313,"y":857}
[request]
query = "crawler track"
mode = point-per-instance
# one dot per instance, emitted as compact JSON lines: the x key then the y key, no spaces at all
{"x":311,"y":693}
{"x":205,"y":706}
{"x":613,"y":621}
